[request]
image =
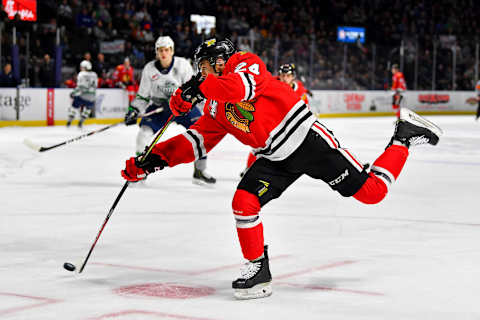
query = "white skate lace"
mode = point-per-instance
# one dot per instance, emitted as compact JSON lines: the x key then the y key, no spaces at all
{"x":418,"y":140}
{"x":250,"y":269}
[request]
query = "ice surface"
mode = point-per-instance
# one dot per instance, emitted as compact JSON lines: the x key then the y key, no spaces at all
{"x":170,"y":249}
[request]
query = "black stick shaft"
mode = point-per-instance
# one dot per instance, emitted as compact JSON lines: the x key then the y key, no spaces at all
{"x":42,"y":149}
{"x":104,"y":224}
{"x":120,"y":194}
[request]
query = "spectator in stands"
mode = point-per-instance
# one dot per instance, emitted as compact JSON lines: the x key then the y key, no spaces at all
{"x":3,"y":15}
{"x":47,"y":72}
{"x":84,"y":19}
{"x":100,"y":66}
{"x":99,"y":31}
{"x":7,"y":79}
{"x":65,"y":14}
{"x":87,"y":56}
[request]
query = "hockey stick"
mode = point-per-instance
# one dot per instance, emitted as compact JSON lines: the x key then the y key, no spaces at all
{"x":38,"y":148}
{"x":70,"y":266}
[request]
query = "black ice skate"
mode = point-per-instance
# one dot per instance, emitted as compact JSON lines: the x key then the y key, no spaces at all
{"x":255,"y":279}
{"x":202,"y":177}
{"x":412,"y":129}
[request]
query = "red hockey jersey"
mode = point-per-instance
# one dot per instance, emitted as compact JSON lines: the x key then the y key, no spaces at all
{"x":398,"y":82}
{"x":249,"y":103}
{"x":123,"y":75}
{"x":300,"y":90}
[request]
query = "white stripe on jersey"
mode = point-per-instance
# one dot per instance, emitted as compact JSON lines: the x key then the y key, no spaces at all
{"x":253,"y":85}
{"x":249,"y":84}
{"x":202,"y":142}
{"x":288,"y":134}
{"x":197,"y":141}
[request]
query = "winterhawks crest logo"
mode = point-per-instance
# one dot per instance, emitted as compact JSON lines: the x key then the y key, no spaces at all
{"x":240,"y":114}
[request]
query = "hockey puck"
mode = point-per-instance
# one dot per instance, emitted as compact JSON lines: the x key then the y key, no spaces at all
{"x":68,"y":266}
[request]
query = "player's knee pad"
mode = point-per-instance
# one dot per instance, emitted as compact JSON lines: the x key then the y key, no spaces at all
{"x":246,"y":207}
{"x":144,"y":136}
{"x":372,"y":191}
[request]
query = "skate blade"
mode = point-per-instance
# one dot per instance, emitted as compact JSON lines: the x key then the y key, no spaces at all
{"x":202,"y":183}
{"x":261,"y":290}
{"x":412,"y":117}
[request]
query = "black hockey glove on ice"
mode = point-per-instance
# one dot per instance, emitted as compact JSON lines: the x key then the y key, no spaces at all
{"x":151,"y":163}
{"x":131,"y":116}
{"x":190,"y":91}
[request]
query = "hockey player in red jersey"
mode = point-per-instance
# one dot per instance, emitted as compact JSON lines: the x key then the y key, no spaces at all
{"x":243,"y":99}
{"x":398,"y":86}
{"x":287,"y":73}
{"x":123,"y":78}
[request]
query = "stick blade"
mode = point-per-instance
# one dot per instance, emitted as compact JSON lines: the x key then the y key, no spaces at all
{"x":29,"y":143}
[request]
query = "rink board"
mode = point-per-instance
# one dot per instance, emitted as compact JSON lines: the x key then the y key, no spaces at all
{"x":41,"y":106}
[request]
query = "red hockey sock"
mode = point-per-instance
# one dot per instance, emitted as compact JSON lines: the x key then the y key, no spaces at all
{"x":251,"y":159}
{"x":385,"y":170}
{"x":249,"y":226}
{"x":396,"y":109}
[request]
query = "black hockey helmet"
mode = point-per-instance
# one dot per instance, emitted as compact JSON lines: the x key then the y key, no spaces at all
{"x":287,"y":68}
{"x":212,"y":49}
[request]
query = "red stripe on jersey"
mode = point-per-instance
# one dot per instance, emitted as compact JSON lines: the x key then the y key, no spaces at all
{"x":328,"y":135}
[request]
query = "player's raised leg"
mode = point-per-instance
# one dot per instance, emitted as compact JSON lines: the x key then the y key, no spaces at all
{"x":410,"y":130}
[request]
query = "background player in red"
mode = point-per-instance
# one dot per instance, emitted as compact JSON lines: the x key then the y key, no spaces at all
{"x":288,"y":74}
{"x":243,"y":99}
{"x":398,"y":86}
{"x":123,"y":78}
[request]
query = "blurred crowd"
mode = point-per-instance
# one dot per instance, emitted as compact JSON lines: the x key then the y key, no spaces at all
{"x":279,"y":31}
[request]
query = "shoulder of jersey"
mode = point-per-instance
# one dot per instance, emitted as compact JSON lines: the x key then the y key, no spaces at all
{"x":150,"y":65}
{"x":242,"y":55}
{"x":181,"y":61}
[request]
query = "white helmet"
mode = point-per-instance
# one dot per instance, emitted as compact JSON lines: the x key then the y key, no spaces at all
{"x":164,"y":42}
{"x":87,"y":65}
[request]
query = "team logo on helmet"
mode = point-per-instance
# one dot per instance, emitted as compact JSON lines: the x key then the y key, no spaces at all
{"x":240,"y":114}
{"x":288,"y":68}
{"x":210,"y":42}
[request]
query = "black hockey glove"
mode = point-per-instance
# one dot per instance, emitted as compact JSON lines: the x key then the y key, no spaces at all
{"x":131,"y":116}
{"x":151,"y":163}
{"x":190,"y":89}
